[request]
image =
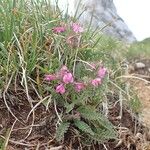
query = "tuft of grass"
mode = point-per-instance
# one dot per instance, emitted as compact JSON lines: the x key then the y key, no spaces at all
{"x":139,"y":50}
{"x":1,"y":143}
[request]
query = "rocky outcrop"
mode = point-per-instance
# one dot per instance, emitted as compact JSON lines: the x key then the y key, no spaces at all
{"x":104,"y":16}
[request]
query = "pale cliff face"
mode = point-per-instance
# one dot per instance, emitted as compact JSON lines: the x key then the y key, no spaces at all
{"x":104,"y":12}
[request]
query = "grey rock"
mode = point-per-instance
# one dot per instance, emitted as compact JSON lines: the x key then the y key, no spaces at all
{"x":104,"y":13}
{"x":139,"y":65}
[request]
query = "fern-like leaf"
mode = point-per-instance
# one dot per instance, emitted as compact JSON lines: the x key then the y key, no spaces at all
{"x":61,"y":130}
{"x":83,"y":127}
{"x":88,"y":113}
{"x":69,"y":107}
{"x":103,"y":134}
{"x":93,"y":116}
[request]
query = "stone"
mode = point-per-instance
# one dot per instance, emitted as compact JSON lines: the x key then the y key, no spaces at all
{"x":139,"y":65}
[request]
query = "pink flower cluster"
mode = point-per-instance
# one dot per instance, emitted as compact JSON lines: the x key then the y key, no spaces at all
{"x":74,"y":26}
{"x":100,"y":75}
{"x":64,"y":76}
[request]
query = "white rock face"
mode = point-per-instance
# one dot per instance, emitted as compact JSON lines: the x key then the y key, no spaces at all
{"x":103,"y":13}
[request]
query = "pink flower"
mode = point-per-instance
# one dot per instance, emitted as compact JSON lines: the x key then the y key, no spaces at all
{"x":102,"y":72}
{"x":77,"y":28}
{"x":64,"y":68}
{"x":68,"y":78}
{"x":96,"y":82}
{"x":59,"y":29}
{"x":60,"y":89}
{"x":79,"y":86}
{"x":62,"y":72}
{"x":50,"y":77}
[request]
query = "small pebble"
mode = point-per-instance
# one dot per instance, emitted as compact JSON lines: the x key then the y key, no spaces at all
{"x":139,"y":65}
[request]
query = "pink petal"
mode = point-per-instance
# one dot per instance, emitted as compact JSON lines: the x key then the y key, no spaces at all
{"x":102,"y":72}
{"x":68,"y":78}
{"x":59,"y":29}
{"x":96,"y":82}
{"x":64,"y":68}
{"x":50,"y":77}
{"x":79,"y":86}
{"x":77,"y":28}
{"x":60,"y":89}
{"x":62,"y":72}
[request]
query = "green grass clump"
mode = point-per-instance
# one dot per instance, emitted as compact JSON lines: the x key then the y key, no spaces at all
{"x":139,"y":50}
{"x":1,"y":143}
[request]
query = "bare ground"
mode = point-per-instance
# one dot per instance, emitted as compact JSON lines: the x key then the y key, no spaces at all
{"x":141,"y":84}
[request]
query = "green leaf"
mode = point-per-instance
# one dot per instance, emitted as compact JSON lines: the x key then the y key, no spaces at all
{"x":69,"y":107}
{"x":88,"y":113}
{"x":91,"y":114}
{"x":104,"y":134}
{"x":61,"y":130}
{"x":83,"y":127}
{"x":135,"y":104}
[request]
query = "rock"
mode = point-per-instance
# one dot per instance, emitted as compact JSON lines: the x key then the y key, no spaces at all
{"x":104,"y":15}
{"x":139,"y":65}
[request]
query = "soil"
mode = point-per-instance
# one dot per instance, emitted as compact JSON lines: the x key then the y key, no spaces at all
{"x":141,"y":85}
{"x":143,"y":90}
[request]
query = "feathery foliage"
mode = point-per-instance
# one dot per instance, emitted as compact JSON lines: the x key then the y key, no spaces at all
{"x":61,"y":130}
{"x":83,"y":127}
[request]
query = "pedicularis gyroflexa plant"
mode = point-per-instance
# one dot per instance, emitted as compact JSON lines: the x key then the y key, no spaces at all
{"x":64,"y":77}
{"x":78,"y":88}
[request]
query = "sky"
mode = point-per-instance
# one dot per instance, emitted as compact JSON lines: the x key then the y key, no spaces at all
{"x":136,"y":14}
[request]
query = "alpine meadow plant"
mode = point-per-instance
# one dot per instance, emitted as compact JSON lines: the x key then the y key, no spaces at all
{"x":79,"y":98}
